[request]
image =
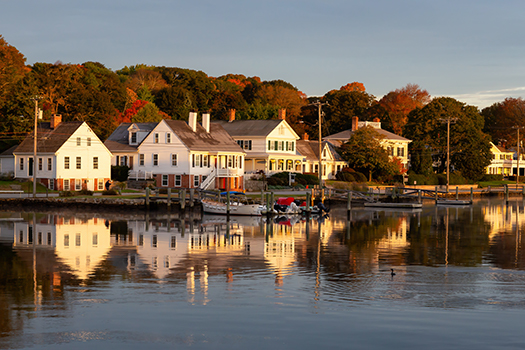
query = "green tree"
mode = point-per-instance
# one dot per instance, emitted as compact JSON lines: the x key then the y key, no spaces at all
{"x":469,"y":146}
{"x":502,"y":118}
{"x":364,"y":151}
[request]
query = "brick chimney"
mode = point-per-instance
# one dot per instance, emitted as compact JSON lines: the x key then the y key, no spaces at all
{"x":231,"y":115}
{"x":282,"y":114}
{"x":55,"y":120}
{"x":305,"y":137}
{"x":355,"y":121}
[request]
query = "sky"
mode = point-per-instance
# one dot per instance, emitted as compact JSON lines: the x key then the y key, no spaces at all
{"x":472,"y":50}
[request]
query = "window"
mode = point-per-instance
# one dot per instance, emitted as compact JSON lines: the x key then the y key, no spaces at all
{"x":88,"y":141}
{"x":195,"y":180}
{"x":79,"y":142}
{"x":292,"y":146}
{"x":229,"y":161}
{"x":205,"y":161}
{"x":156,"y":137}
{"x":178,"y":181}
{"x":154,"y":241}
{"x":165,"y":180}
{"x":77,"y":239}
{"x":141,"y":240}
{"x":248,"y":145}
{"x":78,"y":184}
{"x":66,"y":162}
{"x":133,"y":137}
{"x":198,"y":160}
{"x":51,"y":183}
{"x":49,"y":164}
{"x":324,"y":153}
{"x":21,"y":163}
{"x":79,"y":162}
{"x":95,"y":162}
{"x":168,"y":137}
{"x":173,"y":160}
{"x":155,"y":160}
{"x":49,"y":238}
{"x":100,"y":185}
{"x":66,"y":240}
{"x":275,"y":145}
{"x":269,"y":145}
{"x":240,"y":143}
{"x":141,"y":159}
{"x":173,"y":244}
{"x":40,"y":164}
{"x":95,"y":239}
{"x":66,"y":184}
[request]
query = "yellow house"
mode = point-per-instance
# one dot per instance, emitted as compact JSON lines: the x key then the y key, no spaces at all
{"x":502,"y":161}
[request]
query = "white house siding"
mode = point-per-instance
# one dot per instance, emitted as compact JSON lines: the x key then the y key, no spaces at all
{"x":88,"y":177}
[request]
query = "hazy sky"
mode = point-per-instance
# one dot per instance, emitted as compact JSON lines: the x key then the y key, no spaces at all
{"x":473,"y":50}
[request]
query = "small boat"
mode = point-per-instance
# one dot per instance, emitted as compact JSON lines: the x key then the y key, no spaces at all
{"x":239,"y":205}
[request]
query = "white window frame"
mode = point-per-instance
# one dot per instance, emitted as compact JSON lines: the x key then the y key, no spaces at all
{"x":196,"y":181}
{"x":168,"y":137}
{"x":78,"y":184}
{"x":95,"y":162}
{"x":155,"y":159}
{"x":156,"y":140}
{"x":174,"y":159}
{"x":49,"y":164}
{"x":67,"y":185}
{"x":78,"y":163}
{"x":141,"y":159}
{"x":165,"y":180}
{"x":79,"y":141}
{"x":178,"y":180}
{"x":67,"y":163}
{"x":88,"y":142}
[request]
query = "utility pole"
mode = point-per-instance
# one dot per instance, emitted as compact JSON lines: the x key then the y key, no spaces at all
{"x":320,"y":114}
{"x":517,"y":127}
{"x":448,"y":120}
{"x":36,"y":99}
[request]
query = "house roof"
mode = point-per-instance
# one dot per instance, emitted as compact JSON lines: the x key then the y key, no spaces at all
{"x":345,"y":135}
{"x":249,"y":127}
{"x":200,"y":140}
{"x":310,"y":149}
{"x":8,"y":152}
{"x":118,"y":140}
{"x":49,"y":140}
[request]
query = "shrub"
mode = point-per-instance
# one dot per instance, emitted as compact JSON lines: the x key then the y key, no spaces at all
{"x":110,"y":192}
{"x":494,"y":177}
{"x":84,"y":192}
{"x":67,"y":194}
{"x":119,"y":172}
{"x":360,"y":177}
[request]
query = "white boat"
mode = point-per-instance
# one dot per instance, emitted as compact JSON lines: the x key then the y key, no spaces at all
{"x":236,"y":208}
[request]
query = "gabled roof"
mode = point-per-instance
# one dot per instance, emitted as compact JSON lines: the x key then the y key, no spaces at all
{"x":344,"y":136}
{"x":502,"y":149}
{"x":257,"y":127}
{"x":49,"y":140}
{"x":118,"y":141}
{"x":8,"y":152}
{"x":200,"y":140}
{"x":310,"y":150}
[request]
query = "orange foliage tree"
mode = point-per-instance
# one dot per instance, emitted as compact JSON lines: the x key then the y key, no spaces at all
{"x":400,"y":102}
{"x":355,"y":86}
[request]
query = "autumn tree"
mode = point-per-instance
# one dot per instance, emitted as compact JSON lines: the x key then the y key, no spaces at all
{"x":399,"y":103}
{"x":469,"y":145}
{"x":355,"y":86}
{"x":502,"y":119}
{"x":12,"y":68}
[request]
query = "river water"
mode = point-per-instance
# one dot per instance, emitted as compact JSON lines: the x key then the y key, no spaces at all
{"x":106,"y":281}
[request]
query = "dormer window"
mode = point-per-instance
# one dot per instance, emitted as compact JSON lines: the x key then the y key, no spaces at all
{"x":133,"y":137}
{"x":156,"y":137}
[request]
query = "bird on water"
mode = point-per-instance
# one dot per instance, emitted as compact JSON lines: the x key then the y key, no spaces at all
{"x":392,"y":273}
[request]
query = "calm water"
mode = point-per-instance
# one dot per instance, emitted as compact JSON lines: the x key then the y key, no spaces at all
{"x":101,"y":281}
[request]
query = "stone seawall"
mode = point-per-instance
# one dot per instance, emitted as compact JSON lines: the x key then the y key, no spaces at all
{"x":123,"y":205}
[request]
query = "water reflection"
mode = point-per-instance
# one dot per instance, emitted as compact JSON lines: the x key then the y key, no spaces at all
{"x":443,"y":257}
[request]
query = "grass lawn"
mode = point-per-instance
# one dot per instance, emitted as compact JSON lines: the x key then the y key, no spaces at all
{"x":484,"y":184}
